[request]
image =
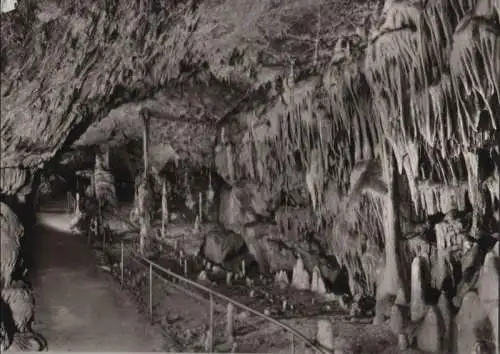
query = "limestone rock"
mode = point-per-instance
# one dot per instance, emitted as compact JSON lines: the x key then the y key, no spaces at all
{"x":317,"y":283}
{"x":281,"y":279}
{"x":11,"y":233}
{"x":429,"y":334}
{"x":493,"y":316}
{"x":468,"y":319}
{"x":310,"y":252}
{"x":277,"y":255}
{"x":21,"y":303}
{"x":401,"y":298}
{"x":268,"y":247}
{"x":418,"y":286}
{"x":445,"y":312}
{"x":489,"y":282}
{"x":300,"y":278}
{"x":399,"y":318}
{"x":449,"y":233}
{"x":219,"y":247}
{"x":324,"y":335}
{"x":402,"y":342}
{"x":233,"y":214}
{"x":496,"y":248}
{"x":471,"y":265}
{"x":7,"y":326}
{"x":260,"y":199}
{"x":202,"y":276}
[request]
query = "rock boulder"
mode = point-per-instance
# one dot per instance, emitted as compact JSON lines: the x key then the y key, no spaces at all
{"x":11,"y":233}
{"x":219,"y":247}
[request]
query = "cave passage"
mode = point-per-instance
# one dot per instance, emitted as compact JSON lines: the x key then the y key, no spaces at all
{"x":79,"y":308}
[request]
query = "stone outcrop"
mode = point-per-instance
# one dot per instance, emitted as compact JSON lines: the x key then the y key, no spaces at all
{"x":219,"y":247}
{"x":11,"y":233}
{"x":22,"y":304}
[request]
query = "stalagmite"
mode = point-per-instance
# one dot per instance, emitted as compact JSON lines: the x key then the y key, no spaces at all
{"x":317,"y":283}
{"x":418,"y":286}
{"x":399,"y":318}
{"x":488,"y":283}
{"x":281,"y":279}
{"x":164,"y":208}
{"x":446,"y":315}
{"x":300,"y":278}
{"x":471,"y":314}
{"x":144,"y":192}
{"x":229,"y":277}
{"x":475,"y":193}
{"x":210,"y":192}
{"x":429,"y":336}
{"x":392,"y":277}
{"x":202,"y":276}
{"x":324,"y":334}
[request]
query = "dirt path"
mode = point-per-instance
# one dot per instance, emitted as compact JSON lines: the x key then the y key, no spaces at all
{"x":78,"y":308}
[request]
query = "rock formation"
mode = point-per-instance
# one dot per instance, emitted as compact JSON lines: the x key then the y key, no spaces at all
{"x":358,"y":146}
{"x":300,"y":277}
{"x":11,"y":232}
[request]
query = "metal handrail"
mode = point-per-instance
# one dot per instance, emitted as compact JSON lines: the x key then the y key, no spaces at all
{"x":234,"y":302}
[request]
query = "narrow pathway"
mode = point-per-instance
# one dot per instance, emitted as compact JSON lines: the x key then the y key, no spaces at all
{"x":79,"y":308}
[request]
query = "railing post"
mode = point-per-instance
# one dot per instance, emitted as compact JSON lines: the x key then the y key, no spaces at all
{"x":121,"y":262}
{"x":151,"y":292}
{"x":292,"y":344}
{"x":211,"y":328}
{"x":230,"y":322}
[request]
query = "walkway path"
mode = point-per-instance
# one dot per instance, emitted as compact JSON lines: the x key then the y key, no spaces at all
{"x":78,"y":307}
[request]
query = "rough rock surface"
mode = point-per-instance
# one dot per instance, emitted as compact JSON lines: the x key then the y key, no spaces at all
{"x":11,"y":232}
{"x":232,"y":213}
{"x":22,"y":304}
{"x":445,"y":313}
{"x":7,"y":326}
{"x":470,"y":317}
{"x":488,"y":283}
{"x":219,"y":247}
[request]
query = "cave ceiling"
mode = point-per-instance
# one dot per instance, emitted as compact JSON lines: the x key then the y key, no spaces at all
{"x":70,"y":66}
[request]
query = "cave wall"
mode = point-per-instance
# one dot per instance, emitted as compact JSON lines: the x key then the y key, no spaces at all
{"x":316,"y":139}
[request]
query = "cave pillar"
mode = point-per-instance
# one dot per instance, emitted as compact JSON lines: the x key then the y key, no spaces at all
{"x":391,"y":279}
{"x":164,"y":208}
{"x":475,"y":193}
{"x":145,"y":192}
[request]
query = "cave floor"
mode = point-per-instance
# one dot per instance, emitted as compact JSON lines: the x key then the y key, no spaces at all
{"x":78,"y":307}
